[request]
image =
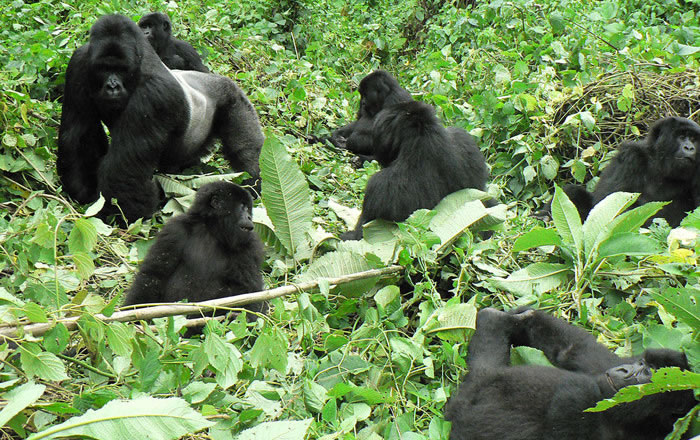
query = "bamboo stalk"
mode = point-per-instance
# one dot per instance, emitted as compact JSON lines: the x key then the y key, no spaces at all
{"x":160,"y":311}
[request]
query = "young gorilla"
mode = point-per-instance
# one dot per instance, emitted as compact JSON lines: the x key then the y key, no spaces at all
{"x":497,"y":401}
{"x":176,"y":54}
{"x":209,"y":252}
{"x":378,"y":90}
{"x":158,"y":119}
{"x":663,"y":167}
{"x":423,"y":162}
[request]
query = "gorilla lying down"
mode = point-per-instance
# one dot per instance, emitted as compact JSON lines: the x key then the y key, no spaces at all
{"x":662,"y":167}
{"x":497,"y":401}
{"x":209,"y":252}
{"x":158,"y":119}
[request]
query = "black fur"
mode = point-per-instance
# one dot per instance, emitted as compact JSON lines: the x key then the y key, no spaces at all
{"x":378,"y":90}
{"x":117,"y":78}
{"x":209,"y":252}
{"x":176,"y":54}
{"x":497,"y":401}
{"x":423,"y":162}
{"x":662,"y":167}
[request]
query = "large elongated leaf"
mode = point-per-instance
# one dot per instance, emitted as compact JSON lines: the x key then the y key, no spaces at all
{"x":535,"y":279}
{"x":161,"y":419}
{"x":628,"y":243}
{"x":535,"y":238}
{"x":282,"y":430}
{"x":285,"y":194}
{"x":597,"y":225}
{"x":20,"y":398}
{"x":683,"y":303}
{"x":567,"y":220}
{"x":339,"y":263}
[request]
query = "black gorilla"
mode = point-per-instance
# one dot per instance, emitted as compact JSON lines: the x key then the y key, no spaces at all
{"x":377,"y":90}
{"x":157,"y":118}
{"x":423,"y":162}
{"x":663,"y":167}
{"x":502,"y":402}
{"x":209,"y":252}
{"x":176,"y":54}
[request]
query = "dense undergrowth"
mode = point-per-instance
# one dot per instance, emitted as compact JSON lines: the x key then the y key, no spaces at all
{"x":548,"y":88}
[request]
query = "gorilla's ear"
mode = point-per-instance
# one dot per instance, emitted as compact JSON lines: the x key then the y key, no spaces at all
{"x":166,"y":26}
{"x":216,"y":201}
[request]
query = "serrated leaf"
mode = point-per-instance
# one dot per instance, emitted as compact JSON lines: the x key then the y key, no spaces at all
{"x":535,"y":279}
{"x":663,"y":380}
{"x":224,"y":358}
{"x":83,"y":236}
{"x":19,"y":398}
{"x":266,"y":231}
{"x":270,"y":351}
{"x":629,"y":243}
{"x":683,"y":303}
{"x":285,"y":194}
{"x":453,"y":322}
{"x":119,"y":337}
{"x":42,"y":364}
{"x":162,"y":419}
{"x":339,"y":263}
{"x":96,"y":207}
{"x":83,"y":264}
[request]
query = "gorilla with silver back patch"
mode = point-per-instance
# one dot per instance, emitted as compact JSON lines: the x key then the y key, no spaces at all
{"x":158,"y":119}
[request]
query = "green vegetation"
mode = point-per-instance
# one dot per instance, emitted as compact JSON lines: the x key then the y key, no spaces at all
{"x":549,"y":89}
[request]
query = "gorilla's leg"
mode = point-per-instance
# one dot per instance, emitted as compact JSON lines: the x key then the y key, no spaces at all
{"x":565,"y":345}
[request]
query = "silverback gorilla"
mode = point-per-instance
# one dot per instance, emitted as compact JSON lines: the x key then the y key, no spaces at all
{"x":663,"y":167}
{"x":176,"y":54}
{"x":207,"y":253}
{"x":158,"y":119}
{"x":497,"y":401}
{"x":423,"y":162}
{"x":378,"y":90}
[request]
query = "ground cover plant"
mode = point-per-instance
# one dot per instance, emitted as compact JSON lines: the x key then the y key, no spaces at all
{"x":547,"y":88}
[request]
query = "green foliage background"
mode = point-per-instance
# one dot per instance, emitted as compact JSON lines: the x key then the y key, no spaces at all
{"x":549,"y":88}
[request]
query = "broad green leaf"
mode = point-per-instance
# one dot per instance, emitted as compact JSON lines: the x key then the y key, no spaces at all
{"x":663,"y":380}
{"x":84,"y":265}
{"x":270,"y":350}
{"x":628,"y":243}
{"x":452,"y":322}
{"x":96,"y":207}
{"x":197,"y":392}
{"x":19,"y":398}
{"x":597,"y":225}
{"x":683,"y":303}
{"x":535,"y":279}
{"x":42,"y":364}
{"x":224,"y":358}
{"x":35,"y":313}
{"x":538,"y":236}
{"x":315,"y":396}
{"x":632,"y":220}
{"x":461,"y":210}
{"x":83,"y":236}
{"x":266,"y":231}
{"x":162,"y":419}
{"x":339,"y":263}
{"x":287,"y":430}
{"x":119,"y":337}
{"x":567,"y":220}
{"x":285,"y":194}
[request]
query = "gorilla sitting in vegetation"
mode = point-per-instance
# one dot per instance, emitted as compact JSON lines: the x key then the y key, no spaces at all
{"x":663,"y":167}
{"x":378,"y":90}
{"x":532,"y":402}
{"x":158,"y":119}
{"x":207,"y":253}
{"x":176,"y":54}
{"x":423,"y":162}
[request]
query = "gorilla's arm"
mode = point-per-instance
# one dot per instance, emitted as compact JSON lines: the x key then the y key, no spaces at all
{"x":190,"y":57}
{"x":565,"y":345}
{"x":160,"y":264}
{"x":82,"y":141}
{"x":489,"y":347}
{"x":627,"y":172}
{"x":360,"y":141}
